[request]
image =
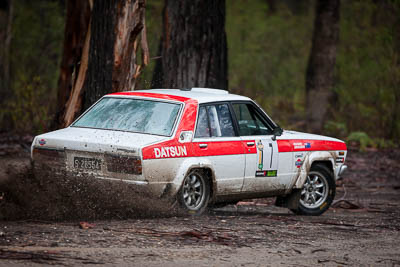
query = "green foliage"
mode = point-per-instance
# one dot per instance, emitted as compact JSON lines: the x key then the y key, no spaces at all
{"x":37,"y":38}
{"x":368,"y":68}
{"x":385,"y":143}
{"x":28,"y":109}
{"x":361,"y":139}
{"x":153,"y":30}
{"x":268,"y":52}
{"x":335,"y":128}
{"x":268,"y":55}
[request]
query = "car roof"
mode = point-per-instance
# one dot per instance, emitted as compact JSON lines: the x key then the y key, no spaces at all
{"x":201,"y":95}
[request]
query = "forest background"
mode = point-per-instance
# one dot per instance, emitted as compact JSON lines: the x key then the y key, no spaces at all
{"x":268,"y":52}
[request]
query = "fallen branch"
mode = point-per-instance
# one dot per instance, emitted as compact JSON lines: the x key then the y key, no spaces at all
{"x":328,"y":260}
{"x":342,"y":198}
{"x":350,"y":205}
{"x":208,"y":236}
{"x":318,"y":250}
{"x":337,"y":224}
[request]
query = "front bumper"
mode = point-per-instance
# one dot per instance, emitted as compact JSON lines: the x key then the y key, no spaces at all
{"x":340,"y":171}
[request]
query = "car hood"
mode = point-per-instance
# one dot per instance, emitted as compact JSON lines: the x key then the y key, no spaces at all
{"x":293,"y":135}
{"x":96,"y":140}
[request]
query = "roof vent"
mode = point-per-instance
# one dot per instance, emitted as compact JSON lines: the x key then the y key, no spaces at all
{"x":210,"y":91}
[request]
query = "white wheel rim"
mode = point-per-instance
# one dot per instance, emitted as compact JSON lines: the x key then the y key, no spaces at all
{"x":315,"y":191}
{"x":193,"y":191}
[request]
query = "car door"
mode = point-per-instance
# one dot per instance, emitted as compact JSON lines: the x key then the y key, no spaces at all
{"x":262,"y":158}
{"x":216,"y":139}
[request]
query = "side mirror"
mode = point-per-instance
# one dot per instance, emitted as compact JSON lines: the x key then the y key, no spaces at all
{"x":185,"y":137}
{"x":276,"y":132}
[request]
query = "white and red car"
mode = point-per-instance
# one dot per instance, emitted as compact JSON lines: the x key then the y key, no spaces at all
{"x":201,"y":146}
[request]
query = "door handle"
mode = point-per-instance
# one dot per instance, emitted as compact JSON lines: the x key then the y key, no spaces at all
{"x":203,"y":145}
{"x":250,"y":143}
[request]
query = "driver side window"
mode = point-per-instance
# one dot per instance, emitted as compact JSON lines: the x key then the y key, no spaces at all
{"x":250,"y":121}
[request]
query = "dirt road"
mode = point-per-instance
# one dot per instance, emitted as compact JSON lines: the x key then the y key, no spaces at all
{"x":362,"y":229}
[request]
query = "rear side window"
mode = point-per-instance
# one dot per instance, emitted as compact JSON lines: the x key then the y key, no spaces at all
{"x":203,"y":129}
{"x":214,"y":121}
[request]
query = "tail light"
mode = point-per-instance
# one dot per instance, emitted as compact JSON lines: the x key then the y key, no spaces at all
{"x":48,"y":152}
{"x":123,"y":164}
{"x":48,"y":159}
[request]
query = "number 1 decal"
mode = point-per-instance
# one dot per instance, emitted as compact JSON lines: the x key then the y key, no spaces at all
{"x":267,"y":165}
{"x":260,"y":148}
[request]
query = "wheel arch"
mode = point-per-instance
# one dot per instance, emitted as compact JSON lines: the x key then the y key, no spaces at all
{"x":326,"y":163}
{"x":318,"y":203}
{"x":311,"y":159}
{"x":203,"y":165}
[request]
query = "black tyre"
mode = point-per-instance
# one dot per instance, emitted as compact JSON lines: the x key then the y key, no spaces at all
{"x":194,"y":195}
{"x":318,"y":192}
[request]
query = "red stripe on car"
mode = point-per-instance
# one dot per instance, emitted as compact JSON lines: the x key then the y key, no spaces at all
{"x":218,"y":148}
{"x":309,"y":145}
{"x":154,"y":95}
{"x":173,"y":148}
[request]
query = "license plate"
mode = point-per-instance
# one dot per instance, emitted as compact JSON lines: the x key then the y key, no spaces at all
{"x":87,"y":163}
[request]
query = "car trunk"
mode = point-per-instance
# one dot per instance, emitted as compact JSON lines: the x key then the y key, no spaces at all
{"x":100,"y":153}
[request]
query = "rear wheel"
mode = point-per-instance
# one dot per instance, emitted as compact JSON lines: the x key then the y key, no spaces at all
{"x":195,"y":193}
{"x":318,"y":191}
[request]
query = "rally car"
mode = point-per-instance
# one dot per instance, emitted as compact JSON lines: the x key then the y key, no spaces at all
{"x":199,"y":146}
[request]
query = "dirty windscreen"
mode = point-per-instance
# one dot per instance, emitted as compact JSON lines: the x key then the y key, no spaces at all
{"x":133,"y":115}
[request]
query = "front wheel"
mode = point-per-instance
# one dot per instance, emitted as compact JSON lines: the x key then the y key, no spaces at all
{"x":195,"y":193}
{"x":318,"y":192}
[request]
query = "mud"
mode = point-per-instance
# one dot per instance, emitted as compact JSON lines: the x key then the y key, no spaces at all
{"x":42,"y":195}
{"x":363,"y":227}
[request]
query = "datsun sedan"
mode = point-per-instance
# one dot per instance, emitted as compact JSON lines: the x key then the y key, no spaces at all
{"x":201,"y":147}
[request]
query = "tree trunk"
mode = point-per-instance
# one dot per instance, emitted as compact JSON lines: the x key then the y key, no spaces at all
{"x":321,"y":64}
{"x":271,"y":6}
{"x":6,"y":14}
{"x":76,"y":28}
{"x":193,"y":46}
{"x":112,"y":56}
{"x":108,"y":60}
{"x":394,"y":129}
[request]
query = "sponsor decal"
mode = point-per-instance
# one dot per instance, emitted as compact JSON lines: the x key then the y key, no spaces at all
{"x":260,"y":148}
{"x":298,"y":145}
{"x":42,"y":142}
{"x":298,"y":155}
{"x":301,"y":145}
{"x":269,"y":173}
{"x":170,"y":152}
{"x":298,"y":163}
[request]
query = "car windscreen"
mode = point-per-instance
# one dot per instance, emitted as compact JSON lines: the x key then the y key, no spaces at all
{"x":132,"y":115}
